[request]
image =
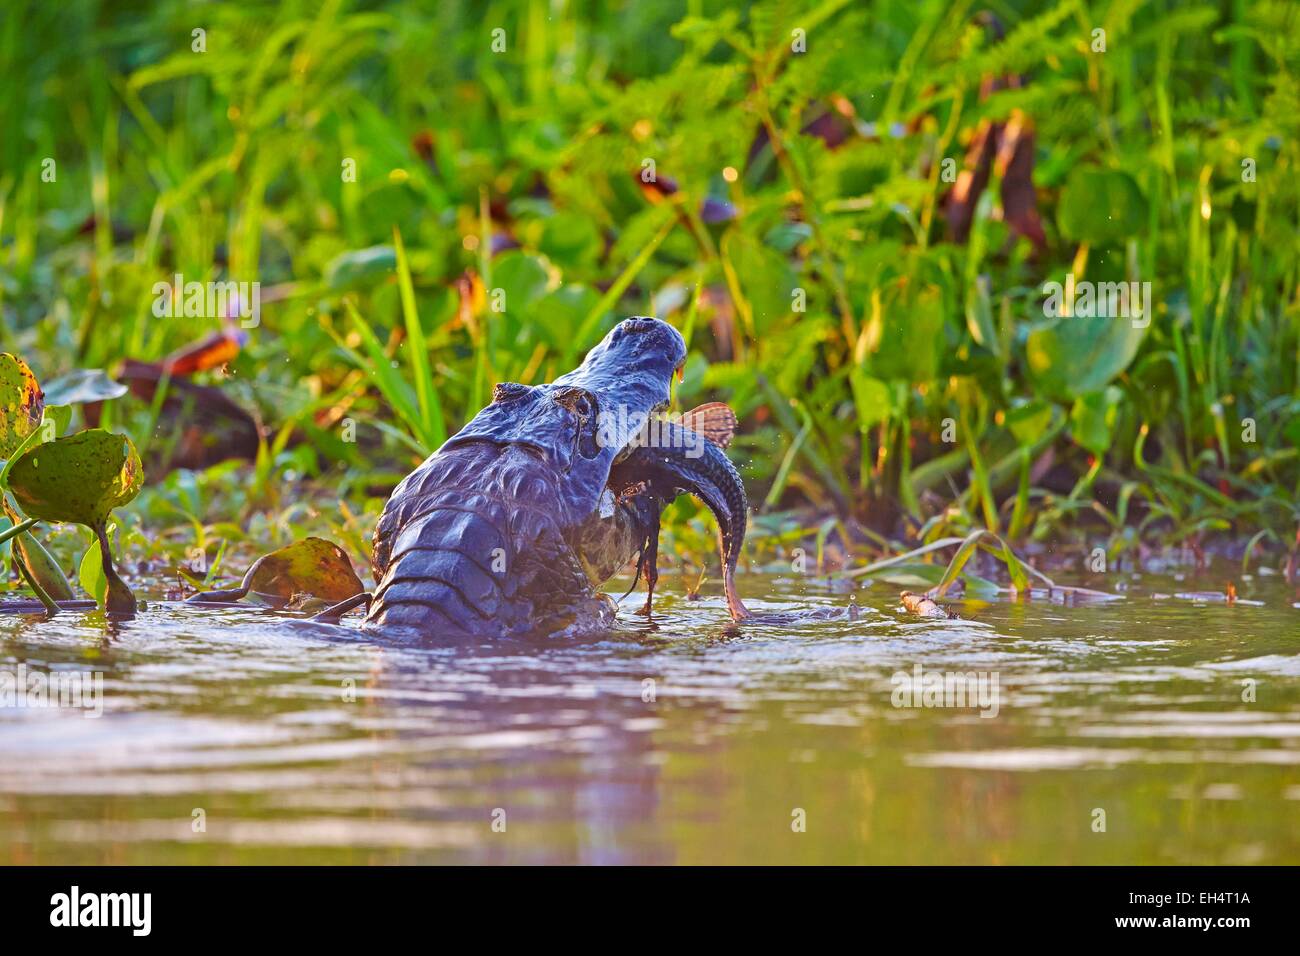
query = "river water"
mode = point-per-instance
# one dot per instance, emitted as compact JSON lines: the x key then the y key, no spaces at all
{"x":1149,"y":730}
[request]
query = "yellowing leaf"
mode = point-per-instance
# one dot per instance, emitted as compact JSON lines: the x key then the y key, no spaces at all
{"x":79,"y":478}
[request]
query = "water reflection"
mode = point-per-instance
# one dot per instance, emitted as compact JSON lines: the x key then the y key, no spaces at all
{"x":684,"y":739}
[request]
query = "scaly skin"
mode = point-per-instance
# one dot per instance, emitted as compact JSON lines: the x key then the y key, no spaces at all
{"x":500,"y":532}
{"x":680,"y":462}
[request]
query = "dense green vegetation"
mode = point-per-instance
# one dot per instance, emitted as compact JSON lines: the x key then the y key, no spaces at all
{"x":431,"y":206}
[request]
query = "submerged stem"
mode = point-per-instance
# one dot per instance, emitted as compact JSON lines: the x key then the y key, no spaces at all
{"x":118,"y":599}
{"x":50,"y":606}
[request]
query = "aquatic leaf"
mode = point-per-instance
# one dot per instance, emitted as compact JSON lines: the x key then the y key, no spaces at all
{"x":994,"y":545}
{"x":40,"y":564}
{"x":1101,"y":205}
{"x":360,"y":267}
{"x":1092,"y":419}
{"x":871,"y":397}
{"x":21,"y":403}
{"x":91,"y":575}
{"x":1029,"y":420}
{"x":311,"y":566}
{"x":522,"y":279}
{"x":1074,"y":354}
{"x":79,"y":478}
{"x":83,"y":385}
{"x":911,"y":574}
{"x":570,"y":240}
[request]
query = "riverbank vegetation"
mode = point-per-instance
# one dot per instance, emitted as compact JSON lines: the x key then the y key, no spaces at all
{"x":1030,"y":269}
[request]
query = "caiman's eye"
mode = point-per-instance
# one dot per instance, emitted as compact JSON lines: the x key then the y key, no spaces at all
{"x":577,"y":400}
{"x":506,"y":391}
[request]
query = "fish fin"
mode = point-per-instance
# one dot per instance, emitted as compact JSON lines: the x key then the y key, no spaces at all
{"x":714,"y":420}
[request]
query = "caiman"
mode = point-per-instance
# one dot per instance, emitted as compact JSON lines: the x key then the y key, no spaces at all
{"x":515,"y":522}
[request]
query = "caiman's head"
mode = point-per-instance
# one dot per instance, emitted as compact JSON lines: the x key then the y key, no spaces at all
{"x":480,"y":538}
{"x":587,"y":419}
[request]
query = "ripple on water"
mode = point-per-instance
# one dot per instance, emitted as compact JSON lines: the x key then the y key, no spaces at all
{"x":679,"y":738}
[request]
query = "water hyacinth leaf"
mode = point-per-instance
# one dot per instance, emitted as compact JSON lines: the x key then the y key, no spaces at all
{"x":91,"y":574}
{"x":1092,"y":420}
{"x":33,"y":438}
{"x":1101,"y":205}
{"x":83,"y":385}
{"x":21,"y":403}
{"x":1029,"y":420}
{"x":360,"y":267}
{"x":871,"y":398}
{"x":79,"y":478}
{"x":1075,"y":355}
{"x":571,"y":241}
{"x":556,"y":314}
{"x":311,"y":566}
{"x":522,"y":279}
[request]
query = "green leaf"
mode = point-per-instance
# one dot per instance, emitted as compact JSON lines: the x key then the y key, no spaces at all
{"x":42,"y":566}
{"x":904,"y":333}
{"x":979,"y":316}
{"x":1101,"y":205}
{"x":871,"y":397}
{"x":1092,"y":420}
{"x":432,"y":430}
{"x":311,"y":566}
{"x":1029,"y":420}
{"x":762,"y":276}
{"x":570,"y":240}
{"x":556,"y":314}
{"x":989,"y":542}
{"x":80,"y":478}
{"x":360,"y":267}
{"x":911,"y":575}
{"x":522,"y":278}
{"x":21,"y":403}
{"x":83,"y":385}
{"x":91,"y":574}
{"x":1074,"y":355}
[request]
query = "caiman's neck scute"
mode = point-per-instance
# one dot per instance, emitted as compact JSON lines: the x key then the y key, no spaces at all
{"x":511,"y":525}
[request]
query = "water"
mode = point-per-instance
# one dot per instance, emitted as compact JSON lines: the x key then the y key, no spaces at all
{"x":229,"y":737}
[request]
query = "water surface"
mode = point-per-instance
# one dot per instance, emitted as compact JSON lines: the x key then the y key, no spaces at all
{"x":232,"y":737}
